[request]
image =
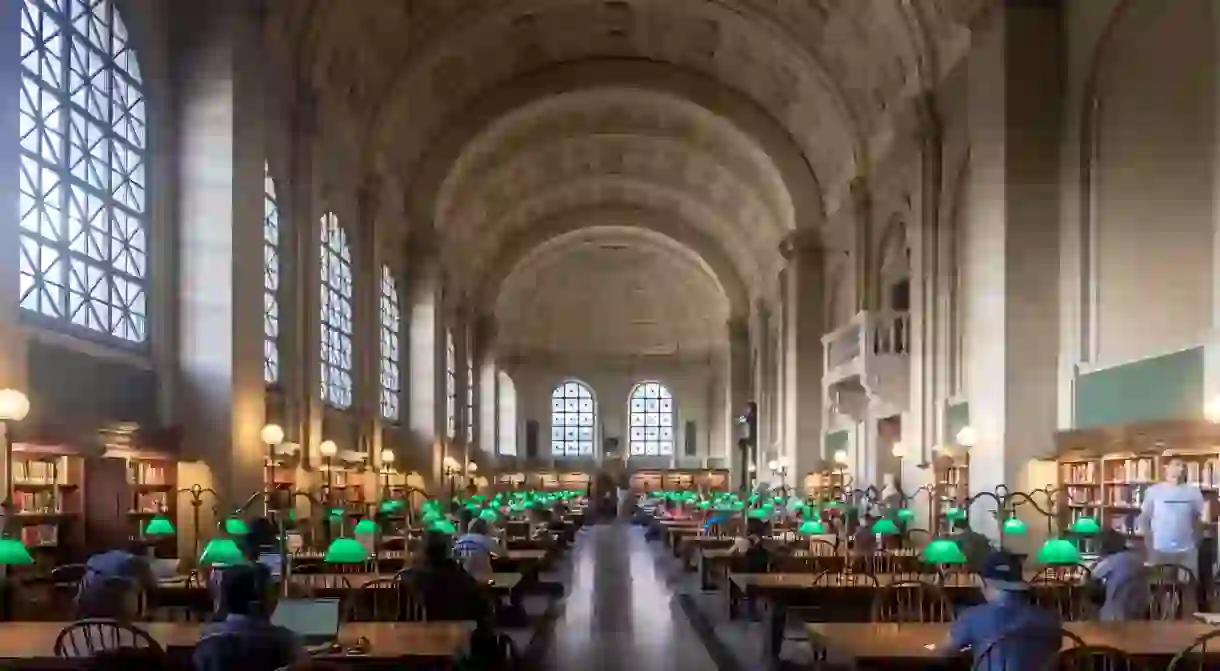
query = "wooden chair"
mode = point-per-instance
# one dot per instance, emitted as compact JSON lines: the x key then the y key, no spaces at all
{"x":1090,"y":658}
{"x":845,"y":579}
{"x":1201,"y":654}
{"x":321,"y":581}
{"x":911,"y":602}
{"x":307,"y":566}
{"x":1172,"y":592}
{"x":916,"y":538}
{"x":960,"y":577}
{"x":377,"y":601}
{"x":85,"y":638}
{"x":821,"y":548}
{"x":992,"y":658}
{"x":1072,"y":573}
{"x":412,"y":605}
{"x":1066,"y":598}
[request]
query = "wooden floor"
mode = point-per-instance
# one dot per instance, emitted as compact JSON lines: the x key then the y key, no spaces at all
{"x":619,"y":612}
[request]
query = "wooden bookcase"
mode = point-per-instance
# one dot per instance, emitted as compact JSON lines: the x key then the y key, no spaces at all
{"x":823,"y":485}
{"x":48,"y":503}
{"x":952,"y":488}
{"x":152,"y":489}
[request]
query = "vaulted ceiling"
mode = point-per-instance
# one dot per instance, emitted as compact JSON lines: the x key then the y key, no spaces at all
{"x":716,"y":127}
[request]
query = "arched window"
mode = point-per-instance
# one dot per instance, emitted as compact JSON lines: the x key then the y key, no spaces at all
{"x":271,"y":280}
{"x":83,"y":207}
{"x":336,"y":314}
{"x":573,"y":417}
{"x":391,"y":327}
{"x":506,"y":395}
{"x":450,"y":385}
{"x":652,"y":420}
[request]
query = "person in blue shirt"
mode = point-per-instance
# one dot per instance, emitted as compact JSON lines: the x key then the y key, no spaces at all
{"x":112,"y":583}
{"x":1026,"y":637}
{"x":244,"y":637}
{"x":476,"y":548}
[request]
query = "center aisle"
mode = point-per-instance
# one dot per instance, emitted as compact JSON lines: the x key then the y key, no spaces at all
{"x":619,"y":612}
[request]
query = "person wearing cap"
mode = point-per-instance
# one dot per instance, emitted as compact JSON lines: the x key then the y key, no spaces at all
{"x":1028,"y":636}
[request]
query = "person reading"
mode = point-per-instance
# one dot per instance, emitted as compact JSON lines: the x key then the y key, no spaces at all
{"x":475,"y":548}
{"x":113,"y":581}
{"x":1120,"y":579}
{"x":1009,"y":632}
{"x":1171,"y":519}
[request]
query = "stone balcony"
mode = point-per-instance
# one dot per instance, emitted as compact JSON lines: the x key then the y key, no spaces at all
{"x":867,"y":361}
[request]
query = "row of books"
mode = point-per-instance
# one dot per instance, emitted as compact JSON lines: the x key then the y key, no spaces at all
{"x":151,"y":502}
{"x":146,"y":473}
{"x":36,"y":502}
{"x":36,"y":472}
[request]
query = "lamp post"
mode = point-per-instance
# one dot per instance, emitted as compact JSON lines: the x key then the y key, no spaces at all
{"x":452,"y":468}
{"x":328,"y":450}
{"x":14,"y":406}
{"x":471,"y":469}
{"x":196,"y":492}
{"x":387,"y":467}
{"x":899,"y":450}
{"x":272,"y":436}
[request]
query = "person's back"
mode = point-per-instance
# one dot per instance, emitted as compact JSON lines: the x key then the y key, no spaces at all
{"x":1009,"y":634}
{"x":447,"y":590}
{"x":475,"y":548}
{"x":244,"y":636}
{"x":1122,"y":579}
{"x":112,"y":584}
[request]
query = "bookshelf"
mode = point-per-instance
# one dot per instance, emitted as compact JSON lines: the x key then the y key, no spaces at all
{"x":152,"y":489}
{"x":48,"y":502}
{"x":822,"y":485}
{"x":952,"y":488}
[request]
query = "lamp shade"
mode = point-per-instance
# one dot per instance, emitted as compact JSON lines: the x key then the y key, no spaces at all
{"x":943,"y":551}
{"x":365,"y":526}
{"x":885,"y":527}
{"x":346,"y":551}
{"x":905,"y":514}
{"x":272,"y":434}
{"x":13,"y":553}
{"x":757,"y":514}
{"x":221,"y":551}
{"x":14,"y":405}
{"x":391,"y":505}
{"x":236,"y":526}
{"x":1013,"y":526}
{"x":955,"y":513}
{"x":159,"y":526}
{"x":1086,"y":526}
{"x":812,"y":528}
{"x":489,"y":515}
{"x":335,"y":513}
{"x":1058,"y":551}
{"x":443,"y":527}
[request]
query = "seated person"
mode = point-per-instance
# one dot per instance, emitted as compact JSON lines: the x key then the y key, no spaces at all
{"x":244,"y":636}
{"x":863,"y":540}
{"x":448,"y":592}
{"x":475,"y":548}
{"x":1031,"y":635}
{"x":113,"y":581}
{"x":974,"y":545}
{"x":1121,"y":579}
{"x":755,"y":557}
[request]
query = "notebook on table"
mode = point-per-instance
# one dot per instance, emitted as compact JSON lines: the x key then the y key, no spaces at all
{"x":316,"y":621}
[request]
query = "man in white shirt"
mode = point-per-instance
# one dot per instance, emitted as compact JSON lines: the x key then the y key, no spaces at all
{"x":1171,"y":519}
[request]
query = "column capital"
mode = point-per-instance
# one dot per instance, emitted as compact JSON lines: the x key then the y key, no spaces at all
{"x":799,"y":242}
{"x":739,"y":329}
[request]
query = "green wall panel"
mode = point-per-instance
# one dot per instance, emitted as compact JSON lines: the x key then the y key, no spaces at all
{"x":1149,"y":390}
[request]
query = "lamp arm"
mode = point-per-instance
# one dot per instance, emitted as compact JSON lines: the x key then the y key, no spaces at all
{"x":1026,"y":498}
{"x":250,"y":501}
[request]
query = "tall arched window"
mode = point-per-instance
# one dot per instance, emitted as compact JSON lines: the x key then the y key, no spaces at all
{"x":506,"y":396}
{"x":391,"y":327}
{"x":271,"y":280}
{"x":652,"y":420}
{"x":83,"y":207}
{"x":573,"y":417}
{"x":336,"y":257}
{"x":450,"y":385}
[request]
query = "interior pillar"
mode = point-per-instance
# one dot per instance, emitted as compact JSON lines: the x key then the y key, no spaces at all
{"x":804,"y":324}
{"x":1011,"y":266}
{"x":220,"y":162}
{"x":737,"y":390}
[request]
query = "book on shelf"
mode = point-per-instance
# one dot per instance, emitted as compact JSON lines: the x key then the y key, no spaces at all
{"x":40,"y":534}
{"x":33,"y":472}
{"x":145,"y":473}
{"x":35,"y":502}
{"x":1080,"y":473}
{"x":1135,"y":471}
{"x":151,"y":502}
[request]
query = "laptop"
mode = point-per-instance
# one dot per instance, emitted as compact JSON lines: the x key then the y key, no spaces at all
{"x":164,"y":570}
{"x":316,"y":621}
{"x":274,"y":563}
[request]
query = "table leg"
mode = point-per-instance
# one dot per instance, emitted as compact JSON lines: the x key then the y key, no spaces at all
{"x":704,"y":578}
{"x":775,"y":619}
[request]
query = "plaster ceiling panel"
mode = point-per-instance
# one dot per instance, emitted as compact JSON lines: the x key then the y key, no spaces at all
{"x":611,"y":293}
{"x":748,"y":255}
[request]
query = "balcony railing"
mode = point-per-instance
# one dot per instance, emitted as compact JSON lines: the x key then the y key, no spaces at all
{"x":880,"y":333}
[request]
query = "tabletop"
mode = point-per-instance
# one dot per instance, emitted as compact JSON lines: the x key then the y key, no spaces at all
{"x":499,"y":581}
{"x":387,"y":640}
{"x":865,"y":641}
{"x":806,"y":580}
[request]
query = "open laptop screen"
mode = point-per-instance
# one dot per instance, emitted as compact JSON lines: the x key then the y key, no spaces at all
{"x":314,"y":620}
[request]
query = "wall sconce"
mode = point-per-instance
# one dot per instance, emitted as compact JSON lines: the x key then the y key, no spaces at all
{"x":966,"y":437}
{"x":841,"y":457}
{"x":272,"y":435}
{"x":1211,"y":410}
{"x":899,"y":450}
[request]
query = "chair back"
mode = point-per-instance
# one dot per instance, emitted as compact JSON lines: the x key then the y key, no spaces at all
{"x":1073,"y":573}
{"x":1090,"y":658}
{"x":911,"y":602}
{"x":1198,"y":655}
{"x":377,"y":601}
{"x":821,"y":548}
{"x":845,"y":578}
{"x":315,"y":582}
{"x":1023,"y":645}
{"x":1173,"y":591}
{"x":86,"y":638}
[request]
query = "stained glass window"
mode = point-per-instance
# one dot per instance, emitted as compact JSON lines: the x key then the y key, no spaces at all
{"x":652,"y":420}
{"x":506,"y":394}
{"x":573,"y":417}
{"x":469,"y":400}
{"x":450,"y":385}
{"x":336,"y":316}
{"x":391,"y":327}
{"x":271,"y":280}
{"x":83,"y":205}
